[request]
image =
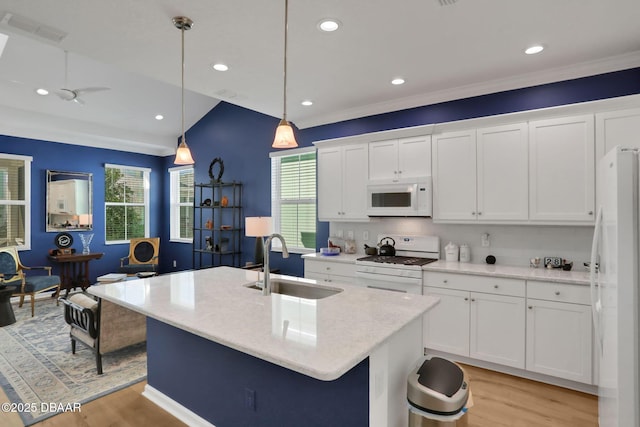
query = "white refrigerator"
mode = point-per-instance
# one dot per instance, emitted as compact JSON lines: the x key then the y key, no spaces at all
{"x":615,"y":296}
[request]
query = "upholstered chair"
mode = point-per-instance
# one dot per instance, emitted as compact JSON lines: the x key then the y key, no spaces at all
{"x":22,"y":278}
{"x":102,"y":326}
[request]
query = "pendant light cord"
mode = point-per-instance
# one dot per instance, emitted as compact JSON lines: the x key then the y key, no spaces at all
{"x":182,"y":31}
{"x":286,"y":25}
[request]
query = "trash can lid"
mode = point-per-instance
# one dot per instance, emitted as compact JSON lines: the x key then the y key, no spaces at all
{"x":441,"y":375}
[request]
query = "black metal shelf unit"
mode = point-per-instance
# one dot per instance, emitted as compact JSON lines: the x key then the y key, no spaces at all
{"x":217,"y":224}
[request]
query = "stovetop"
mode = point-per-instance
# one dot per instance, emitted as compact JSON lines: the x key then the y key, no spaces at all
{"x":401,"y":260}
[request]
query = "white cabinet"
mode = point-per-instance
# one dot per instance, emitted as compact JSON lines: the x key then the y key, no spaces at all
{"x":68,"y":197}
{"x":481,"y":175}
{"x":559,"y":331}
{"x":478,"y":317}
{"x":617,"y":128}
{"x":400,"y":159}
{"x":562,"y":170}
{"x":342,"y":183}
{"x":329,"y":271}
{"x":454,"y":176}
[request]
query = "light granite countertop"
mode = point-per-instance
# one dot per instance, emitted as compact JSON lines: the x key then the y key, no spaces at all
{"x":525,"y":273}
{"x":322,"y":338}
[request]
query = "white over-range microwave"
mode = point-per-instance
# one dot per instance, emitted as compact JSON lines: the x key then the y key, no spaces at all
{"x":400,"y":199}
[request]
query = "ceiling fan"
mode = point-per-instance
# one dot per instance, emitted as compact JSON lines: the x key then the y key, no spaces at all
{"x":73,"y":95}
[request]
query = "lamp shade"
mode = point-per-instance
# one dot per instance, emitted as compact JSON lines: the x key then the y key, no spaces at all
{"x":258,"y":226}
{"x":284,"y":136}
{"x":183,"y":155}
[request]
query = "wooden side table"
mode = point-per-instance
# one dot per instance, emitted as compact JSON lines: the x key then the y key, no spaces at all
{"x":74,"y":270}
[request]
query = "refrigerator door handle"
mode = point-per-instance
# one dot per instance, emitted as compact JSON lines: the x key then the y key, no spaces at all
{"x":594,"y":281}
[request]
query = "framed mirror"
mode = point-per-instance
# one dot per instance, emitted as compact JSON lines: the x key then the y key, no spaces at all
{"x":69,"y":201}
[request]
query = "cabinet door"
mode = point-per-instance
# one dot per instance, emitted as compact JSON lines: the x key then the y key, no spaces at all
{"x":617,"y":128}
{"x":559,"y":339}
{"x":414,"y":157}
{"x":562,"y":169}
{"x":446,"y":325}
{"x":329,"y":183}
{"x":503,"y":176}
{"x":454,"y":176}
{"x":355,"y":162}
{"x":497,"y":325}
{"x":383,"y":160}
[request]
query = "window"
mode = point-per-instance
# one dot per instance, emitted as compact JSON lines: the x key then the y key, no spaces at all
{"x":126,"y":196}
{"x":293,"y":198}
{"x":15,"y":198}
{"x":181,"y":216}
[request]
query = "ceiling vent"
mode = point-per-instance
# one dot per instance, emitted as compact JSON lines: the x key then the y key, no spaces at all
{"x":32,"y":27}
{"x":447,"y":2}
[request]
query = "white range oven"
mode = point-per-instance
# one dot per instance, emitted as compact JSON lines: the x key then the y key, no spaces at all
{"x":403,"y":271}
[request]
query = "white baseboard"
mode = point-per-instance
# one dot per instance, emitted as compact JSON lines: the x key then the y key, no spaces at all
{"x":174,"y":408}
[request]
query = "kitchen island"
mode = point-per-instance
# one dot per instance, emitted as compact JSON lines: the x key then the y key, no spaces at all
{"x":220,"y":353}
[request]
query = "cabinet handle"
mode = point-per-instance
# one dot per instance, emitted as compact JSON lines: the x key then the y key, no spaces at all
{"x":473,"y":299}
{"x":479,"y":213}
{"x":327,"y":268}
{"x":530,"y":307}
{"x":495,"y":286}
{"x":466,"y":299}
{"x":444,"y":281}
{"x":395,"y":172}
{"x":399,"y":171}
{"x":473,"y":213}
{"x":557,"y":292}
{"x":590,"y":212}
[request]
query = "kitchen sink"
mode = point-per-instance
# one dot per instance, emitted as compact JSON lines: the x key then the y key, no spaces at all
{"x":297,"y":289}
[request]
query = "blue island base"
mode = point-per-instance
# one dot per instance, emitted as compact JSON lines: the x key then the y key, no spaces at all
{"x":229,"y":388}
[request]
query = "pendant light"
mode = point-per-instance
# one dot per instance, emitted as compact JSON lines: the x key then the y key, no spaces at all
{"x":284,"y":133}
{"x":183,"y":154}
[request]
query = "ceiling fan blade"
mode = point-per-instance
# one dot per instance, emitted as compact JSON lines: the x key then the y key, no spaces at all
{"x":78,"y":101}
{"x":66,"y":94}
{"x":85,"y":90}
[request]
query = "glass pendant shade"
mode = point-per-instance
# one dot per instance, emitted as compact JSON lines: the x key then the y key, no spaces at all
{"x":284,"y":136}
{"x":183,"y":155}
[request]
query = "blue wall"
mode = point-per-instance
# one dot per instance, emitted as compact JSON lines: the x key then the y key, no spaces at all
{"x":242,"y":138}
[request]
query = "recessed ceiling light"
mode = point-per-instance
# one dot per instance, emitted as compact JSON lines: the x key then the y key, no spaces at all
{"x":329,"y":25}
{"x":397,"y":81}
{"x":220,"y":67}
{"x":159,"y":117}
{"x":534,"y":49}
{"x":42,"y":92}
{"x":307,"y":102}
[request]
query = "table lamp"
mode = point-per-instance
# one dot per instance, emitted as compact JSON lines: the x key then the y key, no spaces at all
{"x":258,"y":227}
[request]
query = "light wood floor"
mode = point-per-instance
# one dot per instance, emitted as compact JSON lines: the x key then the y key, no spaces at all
{"x":499,"y":401}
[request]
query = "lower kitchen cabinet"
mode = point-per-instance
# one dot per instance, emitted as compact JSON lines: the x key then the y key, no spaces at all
{"x":559,"y":334}
{"x":483,"y":326}
{"x":329,"y":271}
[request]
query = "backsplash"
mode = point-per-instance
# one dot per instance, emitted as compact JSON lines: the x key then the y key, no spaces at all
{"x":510,"y":244}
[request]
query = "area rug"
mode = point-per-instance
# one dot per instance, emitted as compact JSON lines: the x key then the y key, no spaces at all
{"x":40,"y":375}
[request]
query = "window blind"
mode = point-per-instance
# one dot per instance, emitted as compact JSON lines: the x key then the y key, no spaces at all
{"x":126,"y":203}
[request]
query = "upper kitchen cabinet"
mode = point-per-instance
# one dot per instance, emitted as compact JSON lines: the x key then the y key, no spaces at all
{"x":481,"y":175}
{"x":342,"y":182}
{"x":562,"y":170}
{"x":617,"y":128}
{"x":454,"y":176}
{"x":400,"y":159}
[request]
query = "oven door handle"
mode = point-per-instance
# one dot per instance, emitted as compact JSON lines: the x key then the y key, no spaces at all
{"x":395,"y":279}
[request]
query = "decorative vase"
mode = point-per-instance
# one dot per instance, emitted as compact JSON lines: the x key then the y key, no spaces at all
{"x":86,"y":241}
{"x":224,"y":202}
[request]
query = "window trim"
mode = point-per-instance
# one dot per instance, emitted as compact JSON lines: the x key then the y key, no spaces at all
{"x":27,"y":198}
{"x":146,"y":185}
{"x":276,"y":246}
{"x":174,"y":204}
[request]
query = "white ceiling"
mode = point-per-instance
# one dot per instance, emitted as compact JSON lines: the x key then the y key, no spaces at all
{"x":468,"y":48}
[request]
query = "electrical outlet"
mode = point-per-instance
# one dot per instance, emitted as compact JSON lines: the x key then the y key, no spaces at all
{"x":250,"y":398}
{"x":485,"y":240}
{"x":365,"y":235}
{"x":350,"y":234}
{"x":340,"y":234}
{"x":175,"y":263}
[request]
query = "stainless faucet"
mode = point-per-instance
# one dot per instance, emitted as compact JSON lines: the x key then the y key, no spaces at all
{"x":266,"y":284}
